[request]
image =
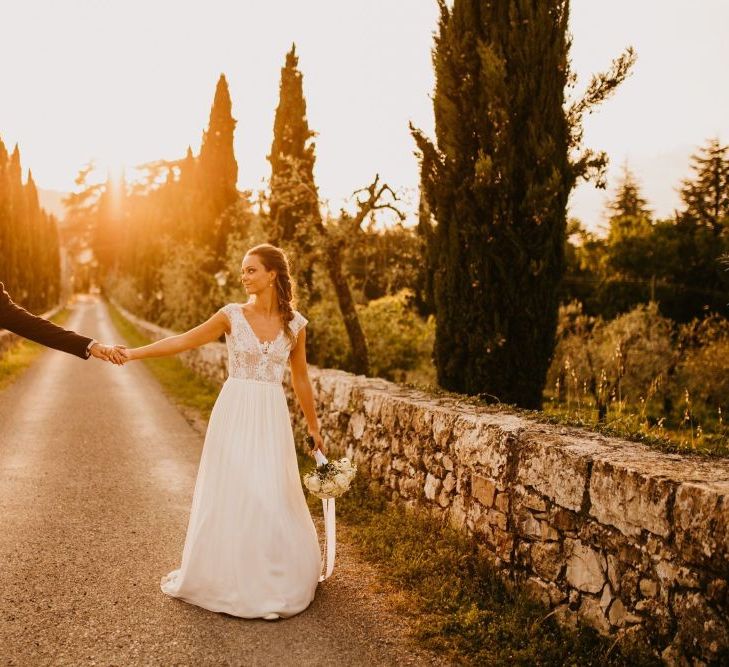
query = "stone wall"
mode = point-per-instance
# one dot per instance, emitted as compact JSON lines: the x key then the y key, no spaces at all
{"x":611,"y":532}
{"x":603,"y":530}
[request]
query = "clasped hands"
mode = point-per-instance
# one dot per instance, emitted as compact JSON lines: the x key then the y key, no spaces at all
{"x":116,"y":354}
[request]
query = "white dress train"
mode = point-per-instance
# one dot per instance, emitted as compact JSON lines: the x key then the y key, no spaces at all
{"x":251,"y":547}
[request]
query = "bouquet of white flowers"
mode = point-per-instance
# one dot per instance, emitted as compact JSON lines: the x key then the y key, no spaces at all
{"x":330,"y":479}
{"x":327,"y":481}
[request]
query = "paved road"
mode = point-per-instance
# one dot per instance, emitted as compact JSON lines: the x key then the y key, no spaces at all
{"x":97,"y":469}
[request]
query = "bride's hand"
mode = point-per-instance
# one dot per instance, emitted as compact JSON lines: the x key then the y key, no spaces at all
{"x":119,"y":355}
{"x":319,"y":444}
{"x":127,"y":354}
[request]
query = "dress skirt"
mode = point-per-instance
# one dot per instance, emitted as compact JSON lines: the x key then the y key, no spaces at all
{"x":251,"y":546}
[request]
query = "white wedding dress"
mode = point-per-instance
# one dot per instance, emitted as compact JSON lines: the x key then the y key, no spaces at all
{"x":251,"y":547}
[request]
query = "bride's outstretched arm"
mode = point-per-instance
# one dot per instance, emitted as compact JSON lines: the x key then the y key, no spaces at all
{"x":207,"y":332}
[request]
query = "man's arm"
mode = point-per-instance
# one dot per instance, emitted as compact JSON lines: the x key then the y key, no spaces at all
{"x":18,"y":320}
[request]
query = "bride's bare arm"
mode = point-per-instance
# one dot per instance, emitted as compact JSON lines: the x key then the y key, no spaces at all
{"x":207,"y":332}
{"x":302,"y":387}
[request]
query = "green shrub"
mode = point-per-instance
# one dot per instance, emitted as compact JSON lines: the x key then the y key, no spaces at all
{"x":398,"y":340}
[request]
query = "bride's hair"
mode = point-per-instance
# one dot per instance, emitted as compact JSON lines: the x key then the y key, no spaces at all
{"x":274,"y":259}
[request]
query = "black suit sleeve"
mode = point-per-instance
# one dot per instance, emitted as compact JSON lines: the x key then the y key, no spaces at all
{"x":18,"y":320}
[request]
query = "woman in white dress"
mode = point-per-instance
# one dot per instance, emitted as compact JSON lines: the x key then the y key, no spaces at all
{"x":251,"y":548}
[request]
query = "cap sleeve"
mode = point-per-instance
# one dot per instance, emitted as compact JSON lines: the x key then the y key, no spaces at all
{"x":229,"y":310}
{"x":298,"y":323}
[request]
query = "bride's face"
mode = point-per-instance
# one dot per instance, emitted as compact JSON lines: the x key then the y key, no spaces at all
{"x":254,"y":276}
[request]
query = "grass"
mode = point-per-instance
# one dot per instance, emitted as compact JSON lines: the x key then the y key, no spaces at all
{"x":620,"y":424}
{"x":21,"y":355}
{"x":179,"y":382}
{"x":463,"y":609}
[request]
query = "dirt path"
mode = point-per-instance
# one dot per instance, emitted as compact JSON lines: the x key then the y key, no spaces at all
{"x":97,"y":469}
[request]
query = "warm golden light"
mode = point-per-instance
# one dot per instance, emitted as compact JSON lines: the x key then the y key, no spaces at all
{"x":364,"y":81}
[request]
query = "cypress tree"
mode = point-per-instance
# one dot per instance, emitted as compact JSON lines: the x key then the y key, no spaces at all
{"x":34,"y":274}
{"x":50,"y":260}
{"x":20,"y":238}
{"x":497,"y":181}
{"x":630,"y":251}
{"x":5,"y":257}
{"x":706,"y":195}
{"x":294,"y":199}
{"x":628,"y":201}
{"x":425,"y":231}
{"x":218,"y":170}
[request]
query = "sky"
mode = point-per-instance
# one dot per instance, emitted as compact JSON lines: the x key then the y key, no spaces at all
{"x":127,"y":82}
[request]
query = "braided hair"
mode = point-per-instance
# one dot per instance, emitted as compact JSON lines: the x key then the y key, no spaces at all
{"x":274,"y":259}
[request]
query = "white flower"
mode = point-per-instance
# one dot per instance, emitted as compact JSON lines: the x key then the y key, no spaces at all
{"x":313,"y":483}
{"x":342,"y":481}
{"x":328,"y":487}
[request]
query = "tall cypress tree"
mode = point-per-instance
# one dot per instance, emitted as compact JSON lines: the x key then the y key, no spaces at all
{"x":294,"y":199}
{"x":218,"y":169}
{"x":20,"y":234}
{"x":498,"y":183}
{"x":34,"y":275}
{"x":5,"y":237}
{"x":425,"y":232}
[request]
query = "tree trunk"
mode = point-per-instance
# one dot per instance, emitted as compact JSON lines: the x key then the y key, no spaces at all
{"x":360,"y":356}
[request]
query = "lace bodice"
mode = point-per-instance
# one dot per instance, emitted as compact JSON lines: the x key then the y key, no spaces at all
{"x":248,"y":357}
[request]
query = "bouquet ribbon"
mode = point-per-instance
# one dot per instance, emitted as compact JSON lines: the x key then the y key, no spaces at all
{"x":330,"y":525}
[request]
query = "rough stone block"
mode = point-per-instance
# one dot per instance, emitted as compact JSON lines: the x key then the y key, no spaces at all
{"x":617,"y":613}
{"x":548,"y":533}
{"x":629,"y":500}
{"x":357,"y":424}
{"x":497,"y":519}
{"x":564,"y":520}
{"x":483,"y":490}
{"x":502,"y":502}
{"x":483,"y":447}
{"x":529,"y":526}
{"x":701,"y":516}
{"x":585,"y":567}
{"x":443,"y":423}
{"x":525,"y":498}
{"x":648,"y":588}
{"x":591,"y":612}
{"x":449,"y":483}
{"x":432,"y":486}
{"x":555,"y":470}
{"x":547,"y":559}
{"x":606,"y":598}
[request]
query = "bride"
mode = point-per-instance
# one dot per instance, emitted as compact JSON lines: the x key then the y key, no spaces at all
{"x":251,"y":548}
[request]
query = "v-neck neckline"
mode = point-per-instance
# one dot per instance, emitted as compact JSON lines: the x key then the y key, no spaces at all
{"x":250,"y":328}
